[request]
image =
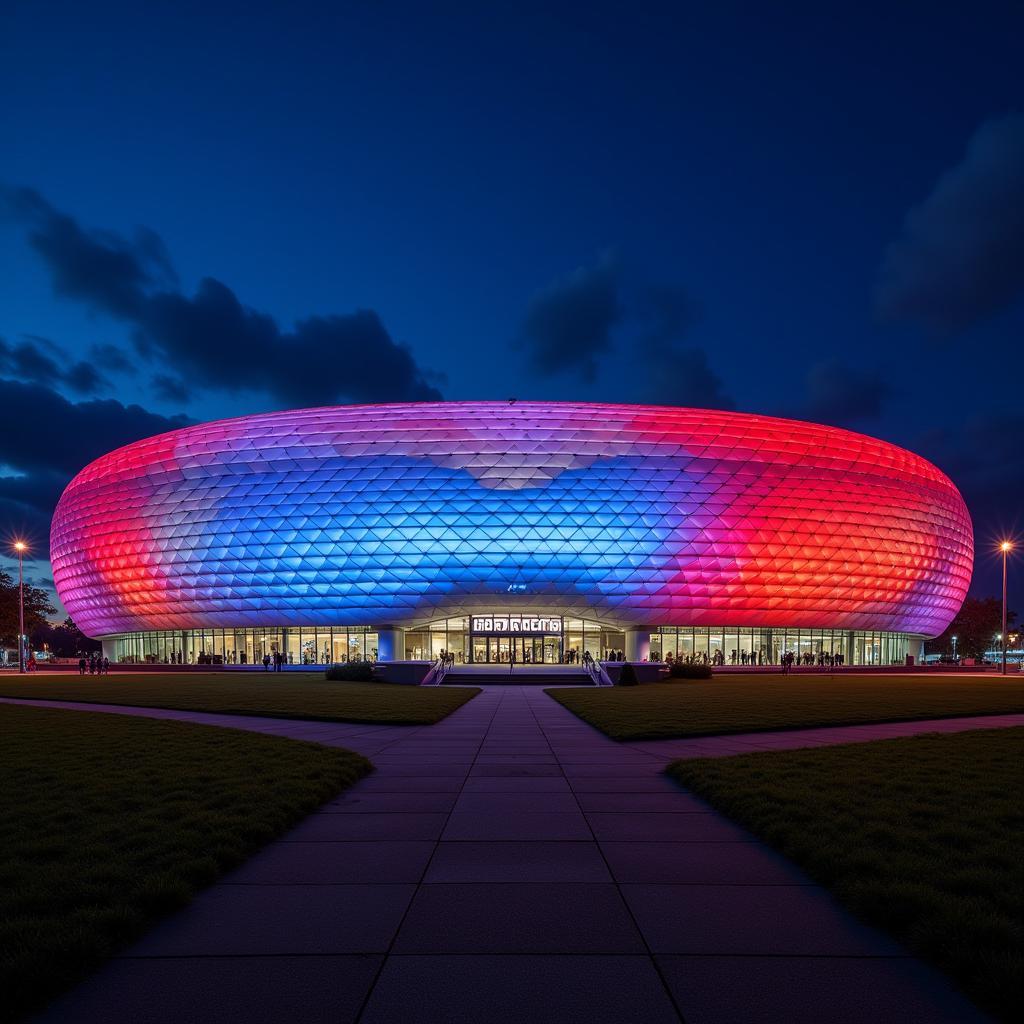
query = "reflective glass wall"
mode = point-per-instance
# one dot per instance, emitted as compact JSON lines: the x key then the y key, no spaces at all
{"x":316,"y":645}
{"x":735,"y":646}
{"x":320,"y":645}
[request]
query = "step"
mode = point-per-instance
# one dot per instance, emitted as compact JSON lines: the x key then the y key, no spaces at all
{"x":518,"y":677}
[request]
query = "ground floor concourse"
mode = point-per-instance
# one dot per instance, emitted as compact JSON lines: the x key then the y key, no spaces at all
{"x":505,"y":637}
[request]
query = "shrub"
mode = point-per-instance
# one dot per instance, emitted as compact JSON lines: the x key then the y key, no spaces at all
{"x":351,"y":672}
{"x":627,"y":675}
{"x":680,"y":670}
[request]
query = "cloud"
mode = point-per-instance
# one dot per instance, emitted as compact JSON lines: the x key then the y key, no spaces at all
{"x":112,"y":358}
{"x":984,"y":458}
{"x":568,"y":324}
{"x":170,"y":389}
{"x":216,"y":342}
{"x":97,"y":267}
{"x":42,"y":361}
{"x":45,"y":439}
{"x":960,"y":258}
{"x":672,"y":372}
{"x":838,"y":393}
{"x":594,"y":313}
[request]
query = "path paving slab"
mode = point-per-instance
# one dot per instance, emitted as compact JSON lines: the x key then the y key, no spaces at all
{"x":522,"y":917}
{"x":812,"y":990}
{"x":519,"y":990}
{"x":750,"y":920}
{"x":699,"y":864}
{"x":327,"y":863}
{"x":225,"y":990}
{"x":278,"y":920}
{"x":518,"y":862}
{"x":384,"y":825}
{"x":519,"y":824}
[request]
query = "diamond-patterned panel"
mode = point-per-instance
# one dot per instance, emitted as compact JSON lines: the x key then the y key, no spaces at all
{"x":390,"y":514}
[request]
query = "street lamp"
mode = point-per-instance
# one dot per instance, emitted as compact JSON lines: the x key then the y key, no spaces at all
{"x":954,"y":648}
{"x":21,"y":547}
{"x":1006,"y":547}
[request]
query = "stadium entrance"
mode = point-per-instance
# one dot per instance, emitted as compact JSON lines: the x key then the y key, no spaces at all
{"x":525,"y":639}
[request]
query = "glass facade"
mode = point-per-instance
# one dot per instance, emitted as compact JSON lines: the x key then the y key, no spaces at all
{"x":752,"y":646}
{"x":313,"y":645}
{"x":321,"y":645}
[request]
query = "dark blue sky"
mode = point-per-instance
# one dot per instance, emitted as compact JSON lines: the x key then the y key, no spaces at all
{"x":817,"y":212}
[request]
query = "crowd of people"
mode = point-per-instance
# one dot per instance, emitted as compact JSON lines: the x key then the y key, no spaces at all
{"x":787,"y":659}
{"x":94,"y":665}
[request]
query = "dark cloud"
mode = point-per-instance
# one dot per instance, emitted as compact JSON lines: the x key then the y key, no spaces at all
{"x":97,"y":267}
{"x":63,"y":435}
{"x":960,"y":258}
{"x":26,"y":507}
{"x":41,"y":361}
{"x":682,"y":376}
{"x":985,"y":459}
{"x":667,"y":313}
{"x":170,"y":389}
{"x":568,"y":325}
{"x":671,"y":371}
{"x":84,"y":379}
{"x":112,"y":358}
{"x":45,"y":439}
{"x":215,"y":341}
{"x":838,"y":393}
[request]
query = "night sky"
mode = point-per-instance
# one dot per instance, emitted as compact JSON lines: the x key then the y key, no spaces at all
{"x":207,"y":211}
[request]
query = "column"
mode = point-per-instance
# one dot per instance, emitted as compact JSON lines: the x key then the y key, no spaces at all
{"x":390,"y":643}
{"x":109,"y":649}
{"x":638,"y":643}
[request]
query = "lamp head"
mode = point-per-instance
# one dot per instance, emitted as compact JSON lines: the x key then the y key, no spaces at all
{"x":1006,"y":546}
{"x":20,"y":546}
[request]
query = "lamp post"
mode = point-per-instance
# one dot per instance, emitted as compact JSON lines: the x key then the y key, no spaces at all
{"x":1006,"y":547}
{"x":21,"y":547}
{"x":954,"y":648}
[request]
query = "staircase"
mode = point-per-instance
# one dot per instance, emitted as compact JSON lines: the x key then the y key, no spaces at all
{"x":520,"y":675}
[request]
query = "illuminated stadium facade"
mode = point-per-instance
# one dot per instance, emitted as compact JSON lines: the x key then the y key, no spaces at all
{"x":528,"y":528}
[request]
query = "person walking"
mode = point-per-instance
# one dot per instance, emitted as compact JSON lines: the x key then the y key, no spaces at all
{"x":266,"y":662}
{"x":106,"y":666}
{"x":81,"y":666}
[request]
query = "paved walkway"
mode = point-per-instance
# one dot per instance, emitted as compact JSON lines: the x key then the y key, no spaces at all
{"x":513,"y":864}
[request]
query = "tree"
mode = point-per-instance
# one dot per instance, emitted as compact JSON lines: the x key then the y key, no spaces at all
{"x":975,"y":628}
{"x":65,"y":640}
{"x":37,"y":608}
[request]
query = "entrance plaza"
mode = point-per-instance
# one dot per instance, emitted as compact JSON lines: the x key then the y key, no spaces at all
{"x":512,"y":864}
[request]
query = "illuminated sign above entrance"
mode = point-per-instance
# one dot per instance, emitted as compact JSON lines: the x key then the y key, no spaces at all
{"x":516,"y":624}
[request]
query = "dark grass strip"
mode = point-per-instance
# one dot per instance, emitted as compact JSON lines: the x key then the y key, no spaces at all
{"x":253,"y":693}
{"x":731,"y":704}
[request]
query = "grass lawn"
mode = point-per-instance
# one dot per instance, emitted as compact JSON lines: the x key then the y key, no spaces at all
{"x":256,"y":693}
{"x":920,"y":836}
{"x":107,"y":823}
{"x":750,"y":703}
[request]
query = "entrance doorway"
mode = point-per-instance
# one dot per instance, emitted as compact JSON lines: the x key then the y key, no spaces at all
{"x":543,"y":649}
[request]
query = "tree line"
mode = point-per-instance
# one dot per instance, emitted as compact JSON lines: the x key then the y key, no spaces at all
{"x":65,"y":640}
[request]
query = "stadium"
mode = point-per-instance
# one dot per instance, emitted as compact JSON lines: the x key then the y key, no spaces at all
{"x":531,"y":531}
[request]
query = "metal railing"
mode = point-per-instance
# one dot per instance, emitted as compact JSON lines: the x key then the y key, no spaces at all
{"x":437,"y":672}
{"x":596,"y":671}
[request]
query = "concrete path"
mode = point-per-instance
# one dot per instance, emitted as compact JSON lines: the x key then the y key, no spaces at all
{"x":513,"y":864}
